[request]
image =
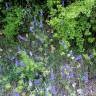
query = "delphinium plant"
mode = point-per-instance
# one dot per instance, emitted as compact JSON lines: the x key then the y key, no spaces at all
{"x":41,"y":63}
{"x":64,"y":32}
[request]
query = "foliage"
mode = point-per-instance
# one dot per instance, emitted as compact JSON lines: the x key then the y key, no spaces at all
{"x":29,"y":71}
{"x":47,"y":47}
{"x":13,"y":21}
{"x":67,"y":27}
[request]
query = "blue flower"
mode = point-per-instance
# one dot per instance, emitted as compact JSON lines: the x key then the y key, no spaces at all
{"x":71,"y":75}
{"x":85,"y":77}
{"x":22,"y":38}
{"x":63,"y":2}
{"x":31,"y":28}
{"x":91,"y":56}
{"x":62,"y":93}
{"x":37,"y":82}
{"x":53,"y":90}
{"x":62,"y":73}
{"x":17,"y":94}
{"x":16,"y":62}
{"x":78,"y":57}
{"x":51,"y":75}
{"x":18,"y":48}
{"x":41,"y":23}
{"x":35,"y":21}
{"x":67,"y":67}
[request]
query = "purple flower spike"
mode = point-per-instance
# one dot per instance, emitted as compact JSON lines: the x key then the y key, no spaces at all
{"x":63,"y":2}
{"x":78,"y":57}
{"x":53,"y":90}
{"x":16,"y":62}
{"x":51,"y":75}
{"x":18,"y":48}
{"x":35,"y":21}
{"x":41,"y":23}
{"x":85,"y":77}
{"x":63,"y":74}
{"x":71,"y":75}
{"x":22,"y":38}
{"x":37,"y":82}
{"x":67,"y":67}
{"x":90,"y":56}
{"x":62,"y":93}
{"x":17,"y":94}
{"x":30,"y":29}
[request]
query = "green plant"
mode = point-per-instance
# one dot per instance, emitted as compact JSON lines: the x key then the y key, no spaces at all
{"x":64,"y":21}
{"x":12,"y":22}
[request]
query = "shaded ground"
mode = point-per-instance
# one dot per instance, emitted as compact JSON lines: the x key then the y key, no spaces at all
{"x":90,"y":88}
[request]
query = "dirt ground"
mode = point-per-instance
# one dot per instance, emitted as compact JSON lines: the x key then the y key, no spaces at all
{"x":89,"y":89}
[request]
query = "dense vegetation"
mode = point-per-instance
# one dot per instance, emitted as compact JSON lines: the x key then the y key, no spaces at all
{"x":47,"y":47}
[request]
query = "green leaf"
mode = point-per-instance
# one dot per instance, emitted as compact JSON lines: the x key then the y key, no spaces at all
{"x":91,"y":40}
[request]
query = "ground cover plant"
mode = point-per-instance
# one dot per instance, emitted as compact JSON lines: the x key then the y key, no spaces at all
{"x":48,"y":48}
